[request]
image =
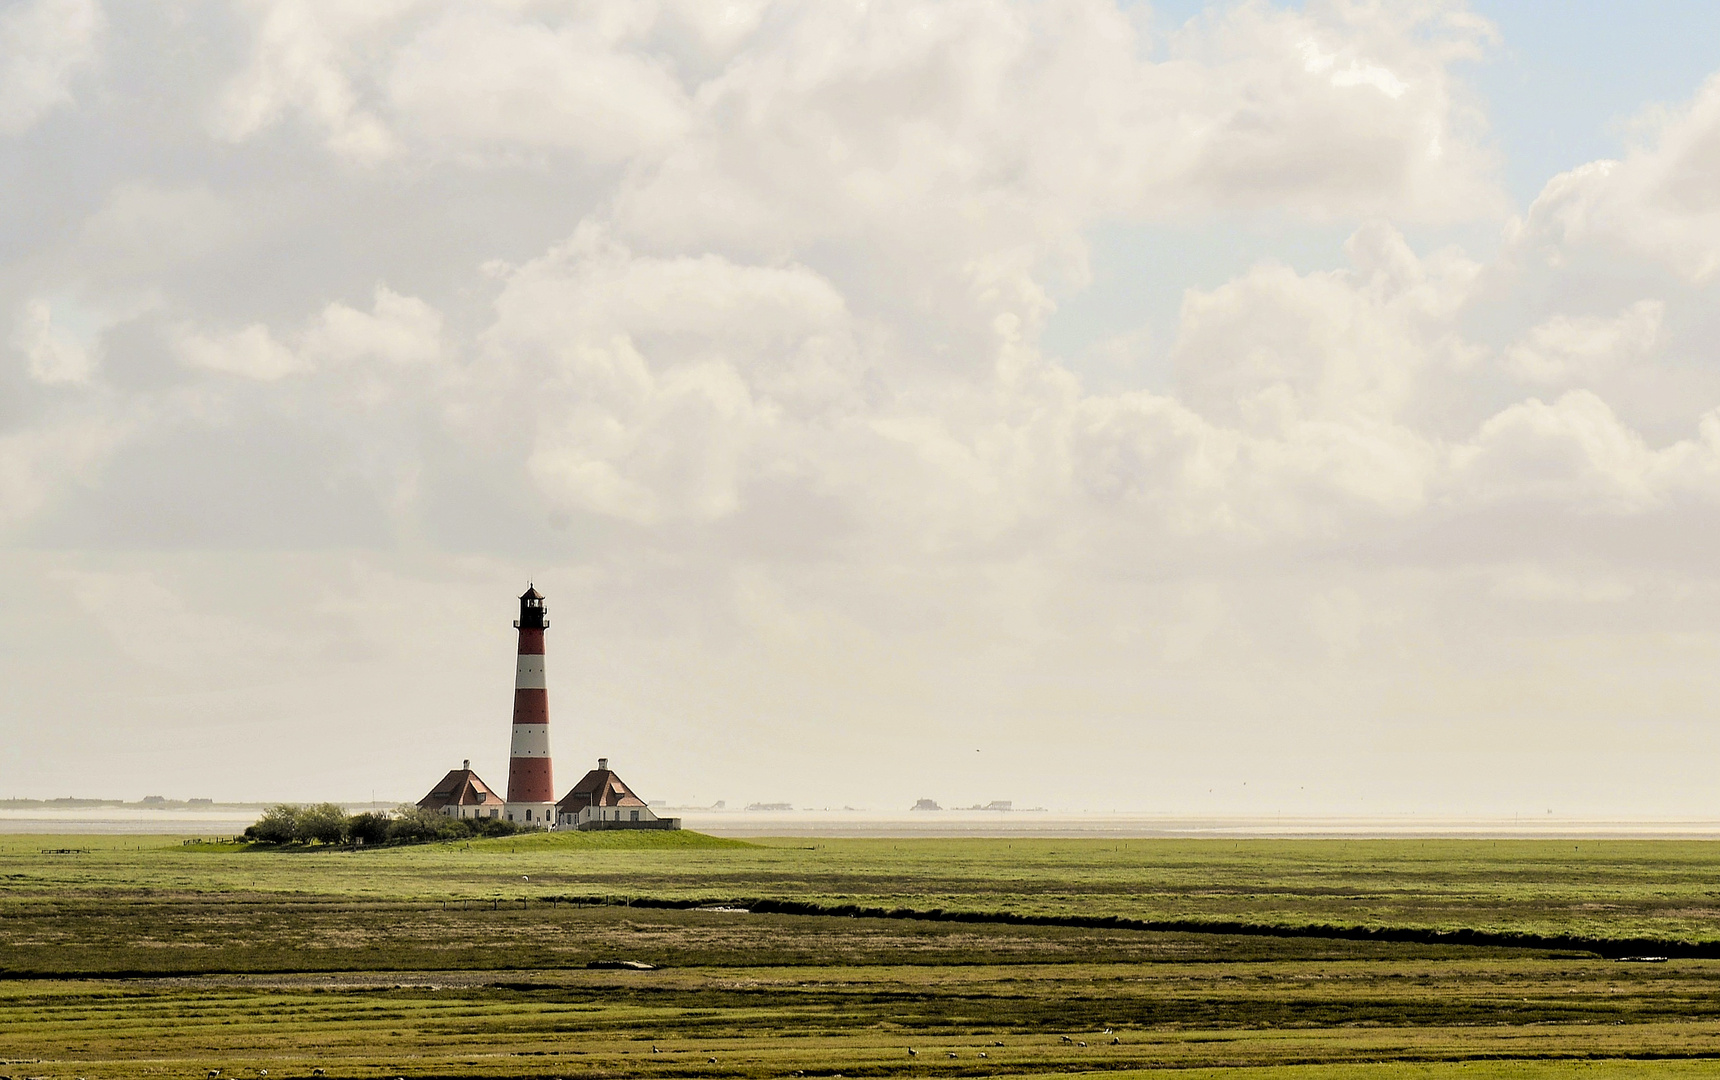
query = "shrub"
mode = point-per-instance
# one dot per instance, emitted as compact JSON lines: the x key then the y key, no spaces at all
{"x":493,"y":826}
{"x":278,"y":825}
{"x":324,"y":823}
{"x":369,"y":827}
{"x":412,"y":824}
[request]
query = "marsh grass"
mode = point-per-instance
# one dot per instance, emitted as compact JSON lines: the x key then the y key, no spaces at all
{"x":151,"y":957}
{"x":1657,"y":889}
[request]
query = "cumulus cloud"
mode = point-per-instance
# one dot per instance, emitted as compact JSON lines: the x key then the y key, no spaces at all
{"x":306,"y":63}
{"x":827,"y":258}
{"x":966,"y":147}
{"x":52,"y":354}
{"x":458,"y":78}
{"x":732,"y":320}
{"x":397,"y":330}
{"x":144,"y":227}
{"x":251,"y":352}
{"x":44,"y":44}
{"x":745,"y":126}
{"x":654,"y":380}
{"x":670,"y":387}
{"x":1349,"y":341}
{"x":1338,"y":107}
{"x":1577,"y":348}
{"x":486,"y":77}
{"x":39,"y":463}
{"x":1659,"y":202}
{"x":1570,"y":452}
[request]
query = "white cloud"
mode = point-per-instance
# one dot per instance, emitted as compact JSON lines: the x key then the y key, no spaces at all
{"x":1578,"y":348}
{"x":154,"y":625}
{"x":1572,"y":452}
{"x":52,"y":354}
{"x":481,"y":77}
{"x":964,"y":147}
{"x":42,"y":461}
{"x":1659,"y":202}
{"x":1538,"y":583}
{"x":457,"y":78}
{"x":44,"y":44}
{"x":1353,"y":73}
{"x":1330,"y":344}
{"x":651,"y":381}
{"x":677,"y":452}
{"x":398,"y":329}
{"x":252,"y":352}
{"x":307,"y":60}
{"x":144,"y":227}
{"x":653,"y":389}
{"x":732,"y":321}
{"x":824,"y":119}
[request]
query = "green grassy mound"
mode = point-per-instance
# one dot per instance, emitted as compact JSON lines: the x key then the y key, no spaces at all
{"x":524,"y":842}
{"x":612,"y":840}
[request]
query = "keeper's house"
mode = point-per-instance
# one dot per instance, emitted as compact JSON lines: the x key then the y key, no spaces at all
{"x":461,"y":794}
{"x":602,"y":800}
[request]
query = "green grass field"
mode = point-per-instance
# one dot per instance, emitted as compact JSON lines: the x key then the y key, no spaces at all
{"x":127,"y":956}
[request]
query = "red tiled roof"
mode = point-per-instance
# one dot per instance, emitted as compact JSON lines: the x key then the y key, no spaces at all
{"x":599,"y":787}
{"x":461,"y":787}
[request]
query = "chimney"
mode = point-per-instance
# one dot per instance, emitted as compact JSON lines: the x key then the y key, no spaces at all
{"x":467,"y":764}
{"x":603,"y":764}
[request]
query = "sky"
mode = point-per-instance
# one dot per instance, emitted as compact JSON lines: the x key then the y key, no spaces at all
{"x":1190,"y":408}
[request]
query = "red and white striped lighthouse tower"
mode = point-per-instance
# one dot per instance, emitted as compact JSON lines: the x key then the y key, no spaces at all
{"x":531,"y":787}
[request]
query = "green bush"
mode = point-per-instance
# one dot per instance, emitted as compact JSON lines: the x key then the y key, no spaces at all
{"x":369,"y":827}
{"x":412,"y":824}
{"x":278,"y":825}
{"x":493,"y":826}
{"x":324,"y":823}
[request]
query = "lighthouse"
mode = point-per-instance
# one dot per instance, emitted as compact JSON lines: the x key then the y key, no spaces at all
{"x":531,"y":787}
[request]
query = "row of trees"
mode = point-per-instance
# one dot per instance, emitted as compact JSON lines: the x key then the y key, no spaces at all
{"x":326,"y":823}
